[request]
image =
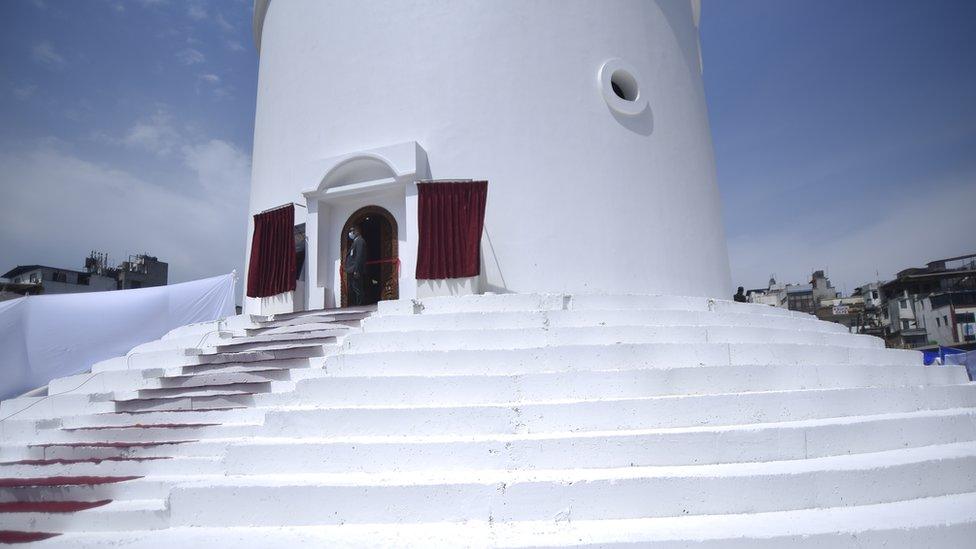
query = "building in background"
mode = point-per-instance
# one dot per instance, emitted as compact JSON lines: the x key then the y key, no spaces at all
{"x":139,"y":271}
{"x":920,"y":303}
{"x":774,"y":294}
{"x":795,"y":297}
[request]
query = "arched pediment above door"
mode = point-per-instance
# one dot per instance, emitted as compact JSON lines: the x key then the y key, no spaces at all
{"x":404,"y":161}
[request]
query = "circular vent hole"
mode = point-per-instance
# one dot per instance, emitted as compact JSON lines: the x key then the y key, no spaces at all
{"x":624,"y":85}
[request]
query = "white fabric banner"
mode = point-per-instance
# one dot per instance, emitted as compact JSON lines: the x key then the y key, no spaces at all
{"x":45,"y":337}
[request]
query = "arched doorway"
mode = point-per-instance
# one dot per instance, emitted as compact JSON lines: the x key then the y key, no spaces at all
{"x":379,"y":228}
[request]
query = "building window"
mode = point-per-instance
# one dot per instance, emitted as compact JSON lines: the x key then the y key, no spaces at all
{"x":58,"y":276}
{"x":938,"y":322}
{"x":33,"y":278}
{"x":84,"y":279}
{"x":945,"y":320}
{"x":903,"y":304}
{"x":874,"y":294}
{"x":904,"y":324}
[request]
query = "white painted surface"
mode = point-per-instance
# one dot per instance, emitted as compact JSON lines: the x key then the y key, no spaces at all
{"x":511,"y":412}
{"x":581,"y":197}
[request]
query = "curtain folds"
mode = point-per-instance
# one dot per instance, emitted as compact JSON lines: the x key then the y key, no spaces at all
{"x":450,"y":216}
{"x":272,"y":265}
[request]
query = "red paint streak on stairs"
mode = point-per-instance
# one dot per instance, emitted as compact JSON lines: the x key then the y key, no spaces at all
{"x":133,"y":412}
{"x":61,"y":481}
{"x":178,"y":397}
{"x":95,"y":461}
{"x":50,"y":506}
{"x":109,"y":444}
{"x":143,"y":426}
{"x":15,"y":536}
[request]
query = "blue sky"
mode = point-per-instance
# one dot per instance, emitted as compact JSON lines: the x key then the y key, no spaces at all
{"x":127,"y":127}
{"x":845,"y":132}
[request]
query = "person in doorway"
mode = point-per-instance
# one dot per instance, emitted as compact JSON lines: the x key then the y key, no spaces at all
{"x":356,"y":267}
{"x":740,"y":296}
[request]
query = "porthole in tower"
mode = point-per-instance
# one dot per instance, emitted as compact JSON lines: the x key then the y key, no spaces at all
{"x":621,"y":87}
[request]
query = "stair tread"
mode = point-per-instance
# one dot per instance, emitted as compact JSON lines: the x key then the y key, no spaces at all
{"x":853,"y":462}
{"x":938,"y":512}
{"x":491,"y":437}
{"x":665,"y":397}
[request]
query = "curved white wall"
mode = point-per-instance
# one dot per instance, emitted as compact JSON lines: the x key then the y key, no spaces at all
{"x":581,"y":197}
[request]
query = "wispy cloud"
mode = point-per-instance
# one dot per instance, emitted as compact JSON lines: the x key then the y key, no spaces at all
{"x":199,"y":233}
{"x":155,"y":134}
{"x":234,"y":45}
{"x":196,"y":12}
{"x":24,"y":91}
{"x":901,"y":236}
{"x":44,"y":53}
{"x":223,"y":23}
{"x":190,"y":56}
{"x":210,"y":78}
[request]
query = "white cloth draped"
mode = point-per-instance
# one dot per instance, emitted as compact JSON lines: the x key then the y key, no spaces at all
{"x":49,"y":336}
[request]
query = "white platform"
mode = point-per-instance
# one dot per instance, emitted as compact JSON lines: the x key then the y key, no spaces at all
{"x":506,"y":420}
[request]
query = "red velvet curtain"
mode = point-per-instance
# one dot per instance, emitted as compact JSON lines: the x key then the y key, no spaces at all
{"x":451,"y":216}
{"x":272,"y":266}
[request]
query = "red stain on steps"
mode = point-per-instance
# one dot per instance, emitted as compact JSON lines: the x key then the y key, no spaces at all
{"x":134,"y":412}
{"x":109,"y":444}
{"x":61,"y":481}
{"x":94,"y":461}
{"x":16,"y":536}
{"x":50,"y":506}
{"x":142,"y":426}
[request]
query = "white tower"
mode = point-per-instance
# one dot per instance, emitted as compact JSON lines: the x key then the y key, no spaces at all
{"x":587,"y":118}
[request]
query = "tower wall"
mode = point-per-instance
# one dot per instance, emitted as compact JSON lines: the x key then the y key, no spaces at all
{"x":583,"y":195}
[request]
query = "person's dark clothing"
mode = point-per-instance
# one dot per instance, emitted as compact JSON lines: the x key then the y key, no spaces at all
{"x":740,"y":297}
{"x":355,"y":268}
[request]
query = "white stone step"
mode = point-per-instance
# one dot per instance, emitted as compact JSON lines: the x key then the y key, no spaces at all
{"x":166,"y":358}
{"x":320,"y":337}
{"x":521,"y":338}
{"x":53,"y":406}
{"x":238,"y":367}
{"x":275,"y":353}
{"x":147,"y":432}
{"x":550,"y":302}
{"x":210,"y":379}
{"x":155,"y":487}
{"x":211,"y":400}
{"x":604,"y":357}
{"x":938,"y":522}
{"x":338,"y":328}
{"x":355,"y":310}
{"x":175,"y":447}
{"x":666,"y":302}
{"x":684,"y":446}
{"x":582,"y":494}
{"x":118,"y":467}
{"x":576,"y":319}
{"x":348,"y":389}
{"x":209,"y":338}
{"x":104,"y":381}
{"x":255,"y":386}
{"x":615,"y":414}
{"x":125,"y":515}
{"x":349,"y":319}
{"x":235,"y":416}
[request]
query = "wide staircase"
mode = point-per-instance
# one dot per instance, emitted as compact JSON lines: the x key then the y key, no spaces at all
{"x":500,"y":420}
